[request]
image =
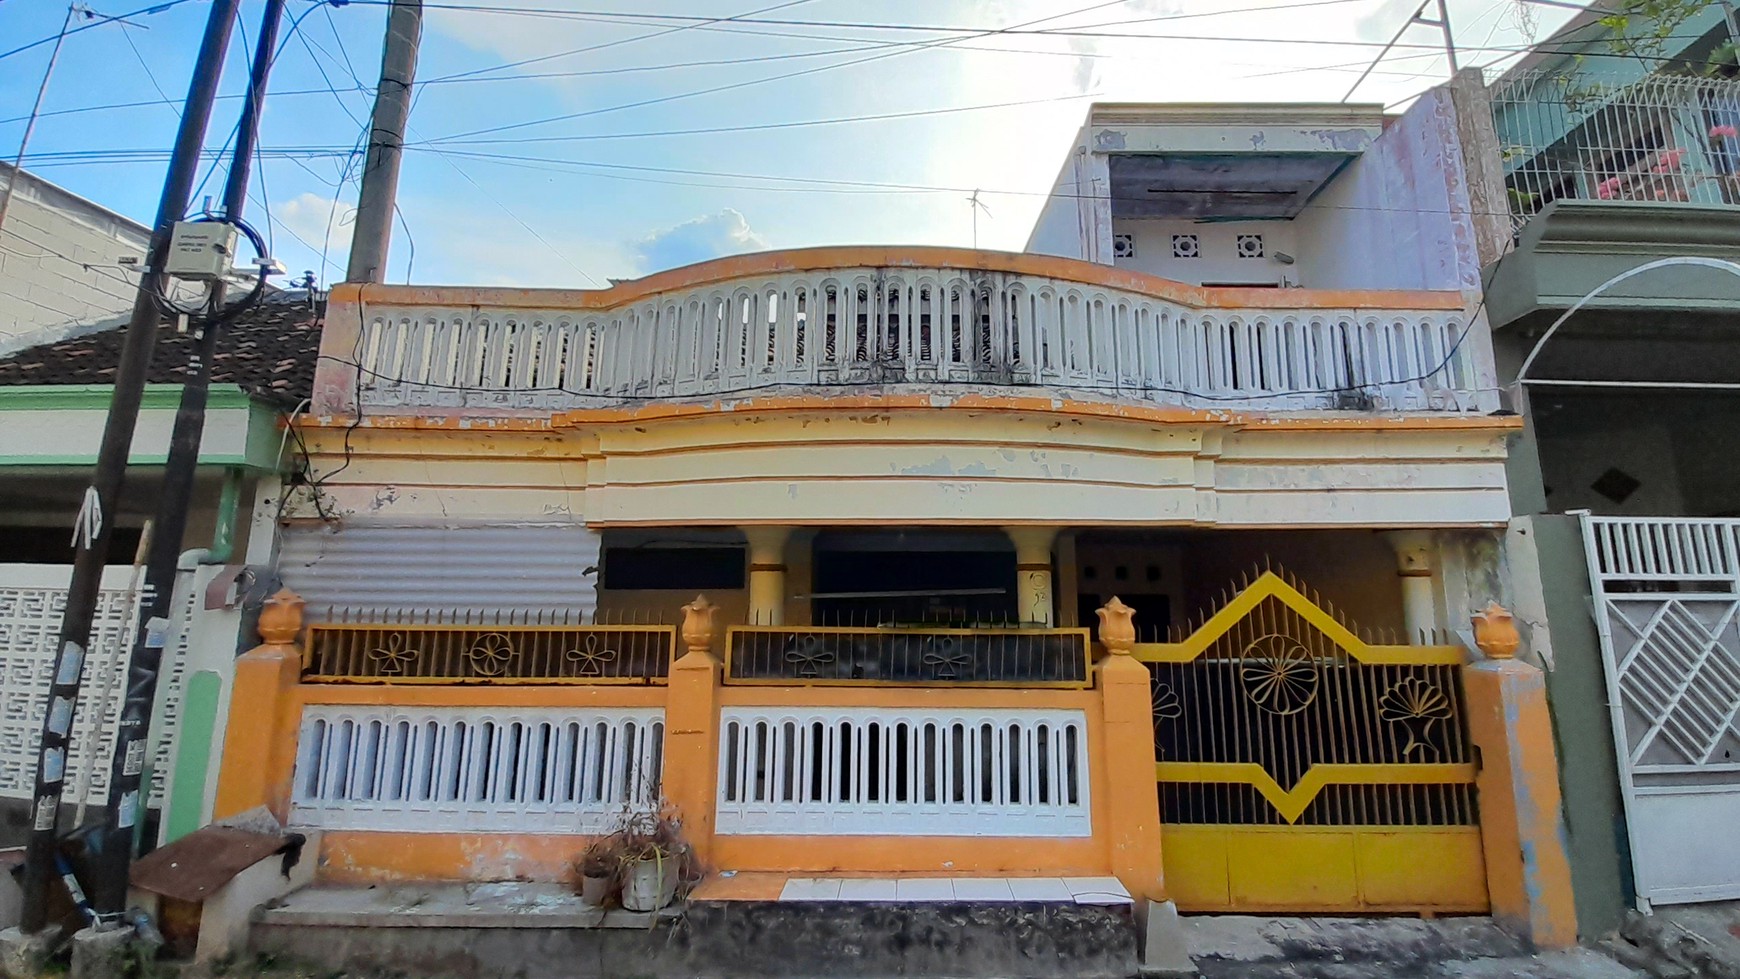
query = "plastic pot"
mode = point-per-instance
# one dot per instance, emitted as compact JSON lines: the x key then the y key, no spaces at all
{"x":595,"y":891}
{"x":650,"y":884}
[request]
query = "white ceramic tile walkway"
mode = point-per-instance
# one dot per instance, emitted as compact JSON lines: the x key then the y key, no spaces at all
{"x":1080,"y":890}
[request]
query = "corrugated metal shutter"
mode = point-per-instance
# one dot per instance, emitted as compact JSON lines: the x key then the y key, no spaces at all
{"x":500,"y":568}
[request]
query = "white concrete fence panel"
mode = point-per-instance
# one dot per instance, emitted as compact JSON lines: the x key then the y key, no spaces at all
{"x":887,"y":772}
{"x":475,"y":769}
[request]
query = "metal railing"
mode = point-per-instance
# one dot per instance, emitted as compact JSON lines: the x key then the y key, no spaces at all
{"x":907,"y":656}
{"x":892,"y":326}
{"x":1590,"y":136}
{"x":457,"y":648}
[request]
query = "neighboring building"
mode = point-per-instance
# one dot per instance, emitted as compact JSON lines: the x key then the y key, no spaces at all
{"x":54,"y":399}
{"x":909,"y":478}
{"x":59,"y":261}
{"x":1629,"y":465}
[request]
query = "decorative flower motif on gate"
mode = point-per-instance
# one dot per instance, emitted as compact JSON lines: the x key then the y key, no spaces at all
{"x":393,"y":656}
{"x":592,"y":655}
{"x":1417,"y":706}
{"x":491,"y":654}
{"x":1279,"y":674}
{"x":946,"y":657}
{"x":1166,"y":705}
{"x":809,"y":656}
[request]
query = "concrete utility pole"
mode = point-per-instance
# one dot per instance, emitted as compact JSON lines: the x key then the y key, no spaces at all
{"x":112,"y":853}
{"x":92,"y":530}
{"x":372,"y":232}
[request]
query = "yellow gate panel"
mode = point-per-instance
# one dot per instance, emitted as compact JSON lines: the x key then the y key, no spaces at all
{"x":1439,"y":867}
{"x":1195,"y":859}
{"x":1313,"y":869}
{"x":1304,"y":768}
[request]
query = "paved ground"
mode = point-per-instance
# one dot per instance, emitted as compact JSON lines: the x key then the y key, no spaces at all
{"x":1252,"y":947}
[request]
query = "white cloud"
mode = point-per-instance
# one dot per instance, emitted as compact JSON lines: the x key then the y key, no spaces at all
{"x":319,"y":222}
{"x":697,"y":240}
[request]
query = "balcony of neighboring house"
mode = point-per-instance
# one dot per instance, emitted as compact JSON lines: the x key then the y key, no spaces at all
{"x":1604,"y":172}
{"x":929,"y":323}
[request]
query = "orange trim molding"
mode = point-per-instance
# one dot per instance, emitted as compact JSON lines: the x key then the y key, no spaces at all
{"x":1132,"y":411}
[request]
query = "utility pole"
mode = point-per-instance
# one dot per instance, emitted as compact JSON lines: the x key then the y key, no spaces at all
{"x":1419,"y":17}
{"x":371,"y":235}
{"x":112,"y":852}
{"x":92,"y":530}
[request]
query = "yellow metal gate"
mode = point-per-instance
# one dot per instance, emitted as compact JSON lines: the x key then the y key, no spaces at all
{"x":1302,"y":768}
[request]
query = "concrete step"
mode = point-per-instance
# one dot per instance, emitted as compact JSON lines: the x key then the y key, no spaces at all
{"x":541,"y":931}
{"x":1258,"y":947}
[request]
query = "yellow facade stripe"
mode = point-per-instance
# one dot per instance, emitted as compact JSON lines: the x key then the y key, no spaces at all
{"x":1292,"y":803}
{"x":1271,"y":585}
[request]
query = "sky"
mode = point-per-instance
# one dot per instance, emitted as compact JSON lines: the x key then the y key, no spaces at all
{"x":555,"y":143}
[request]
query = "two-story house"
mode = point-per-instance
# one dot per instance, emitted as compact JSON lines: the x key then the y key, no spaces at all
{"x":1241,"y":384}
{"x":1616,"y":334}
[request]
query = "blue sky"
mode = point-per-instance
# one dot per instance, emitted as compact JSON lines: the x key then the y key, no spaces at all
{"x":491,"y":195}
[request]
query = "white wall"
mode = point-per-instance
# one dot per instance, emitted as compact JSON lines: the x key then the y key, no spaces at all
{"x":1076,"y":221}
{"x":1218,"y":260}
{"x":1398,"y":217}
{"x":49,"y":237}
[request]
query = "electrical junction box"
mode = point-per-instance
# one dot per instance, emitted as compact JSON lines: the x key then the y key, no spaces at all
{"x":201,"y":250}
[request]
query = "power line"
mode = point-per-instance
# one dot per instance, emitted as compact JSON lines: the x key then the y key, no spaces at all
{"x":701,"y":22}
{"x":633,"y":17}
{"x":155,"y":8}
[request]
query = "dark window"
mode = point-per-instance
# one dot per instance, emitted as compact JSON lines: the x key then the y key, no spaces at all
{"x":53,"y":545}
{"x":958,"y":588}
{"x":656,"y":568}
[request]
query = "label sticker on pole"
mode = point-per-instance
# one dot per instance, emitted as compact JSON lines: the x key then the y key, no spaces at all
{"x":72,"y":663}
{"x":135,"y":759}
{"x":129,"y":809}
{"x":53,"y":765}
{"x":47,"y":808}
{"x":60,"y":716}
{"x":156,"y":632}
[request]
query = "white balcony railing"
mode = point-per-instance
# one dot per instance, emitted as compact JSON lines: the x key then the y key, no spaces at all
{"x":888,"y":327}
{"x":1591,"y":136}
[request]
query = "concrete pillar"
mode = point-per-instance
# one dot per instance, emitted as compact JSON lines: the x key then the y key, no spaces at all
{"x":260,"y":740}
{"x":1415,"y":567}
{"x":1522,"y":829}
{"x":767,"y":574}
{"x":1033,"y":592}
{"x":691,"y":762}
{"x":1127,"y":719}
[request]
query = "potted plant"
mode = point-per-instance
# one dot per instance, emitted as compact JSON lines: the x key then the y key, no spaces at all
{"x":654,"y":860}
{"x":597,"y":868}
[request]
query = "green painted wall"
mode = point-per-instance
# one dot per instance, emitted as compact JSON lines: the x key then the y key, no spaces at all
{"x":199,"y":708}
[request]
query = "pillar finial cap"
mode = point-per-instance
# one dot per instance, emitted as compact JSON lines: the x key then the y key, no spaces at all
{"x":1117,"y":626}
{"x":281,"y":618}
{"x":1495,"y":632}
{"x":698,"y":618}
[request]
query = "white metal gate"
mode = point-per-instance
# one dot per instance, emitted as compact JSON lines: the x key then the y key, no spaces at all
{"x":1666,"y":595}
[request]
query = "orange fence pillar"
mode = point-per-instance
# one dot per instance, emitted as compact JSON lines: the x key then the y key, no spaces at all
{"x":1522,"y":830}
{"x":692,"y":729}
{"x":260,"y":739}
{"x":1132,"y":800}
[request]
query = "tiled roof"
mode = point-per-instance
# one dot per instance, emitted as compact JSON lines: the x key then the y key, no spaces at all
{"x":269,"y":351}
